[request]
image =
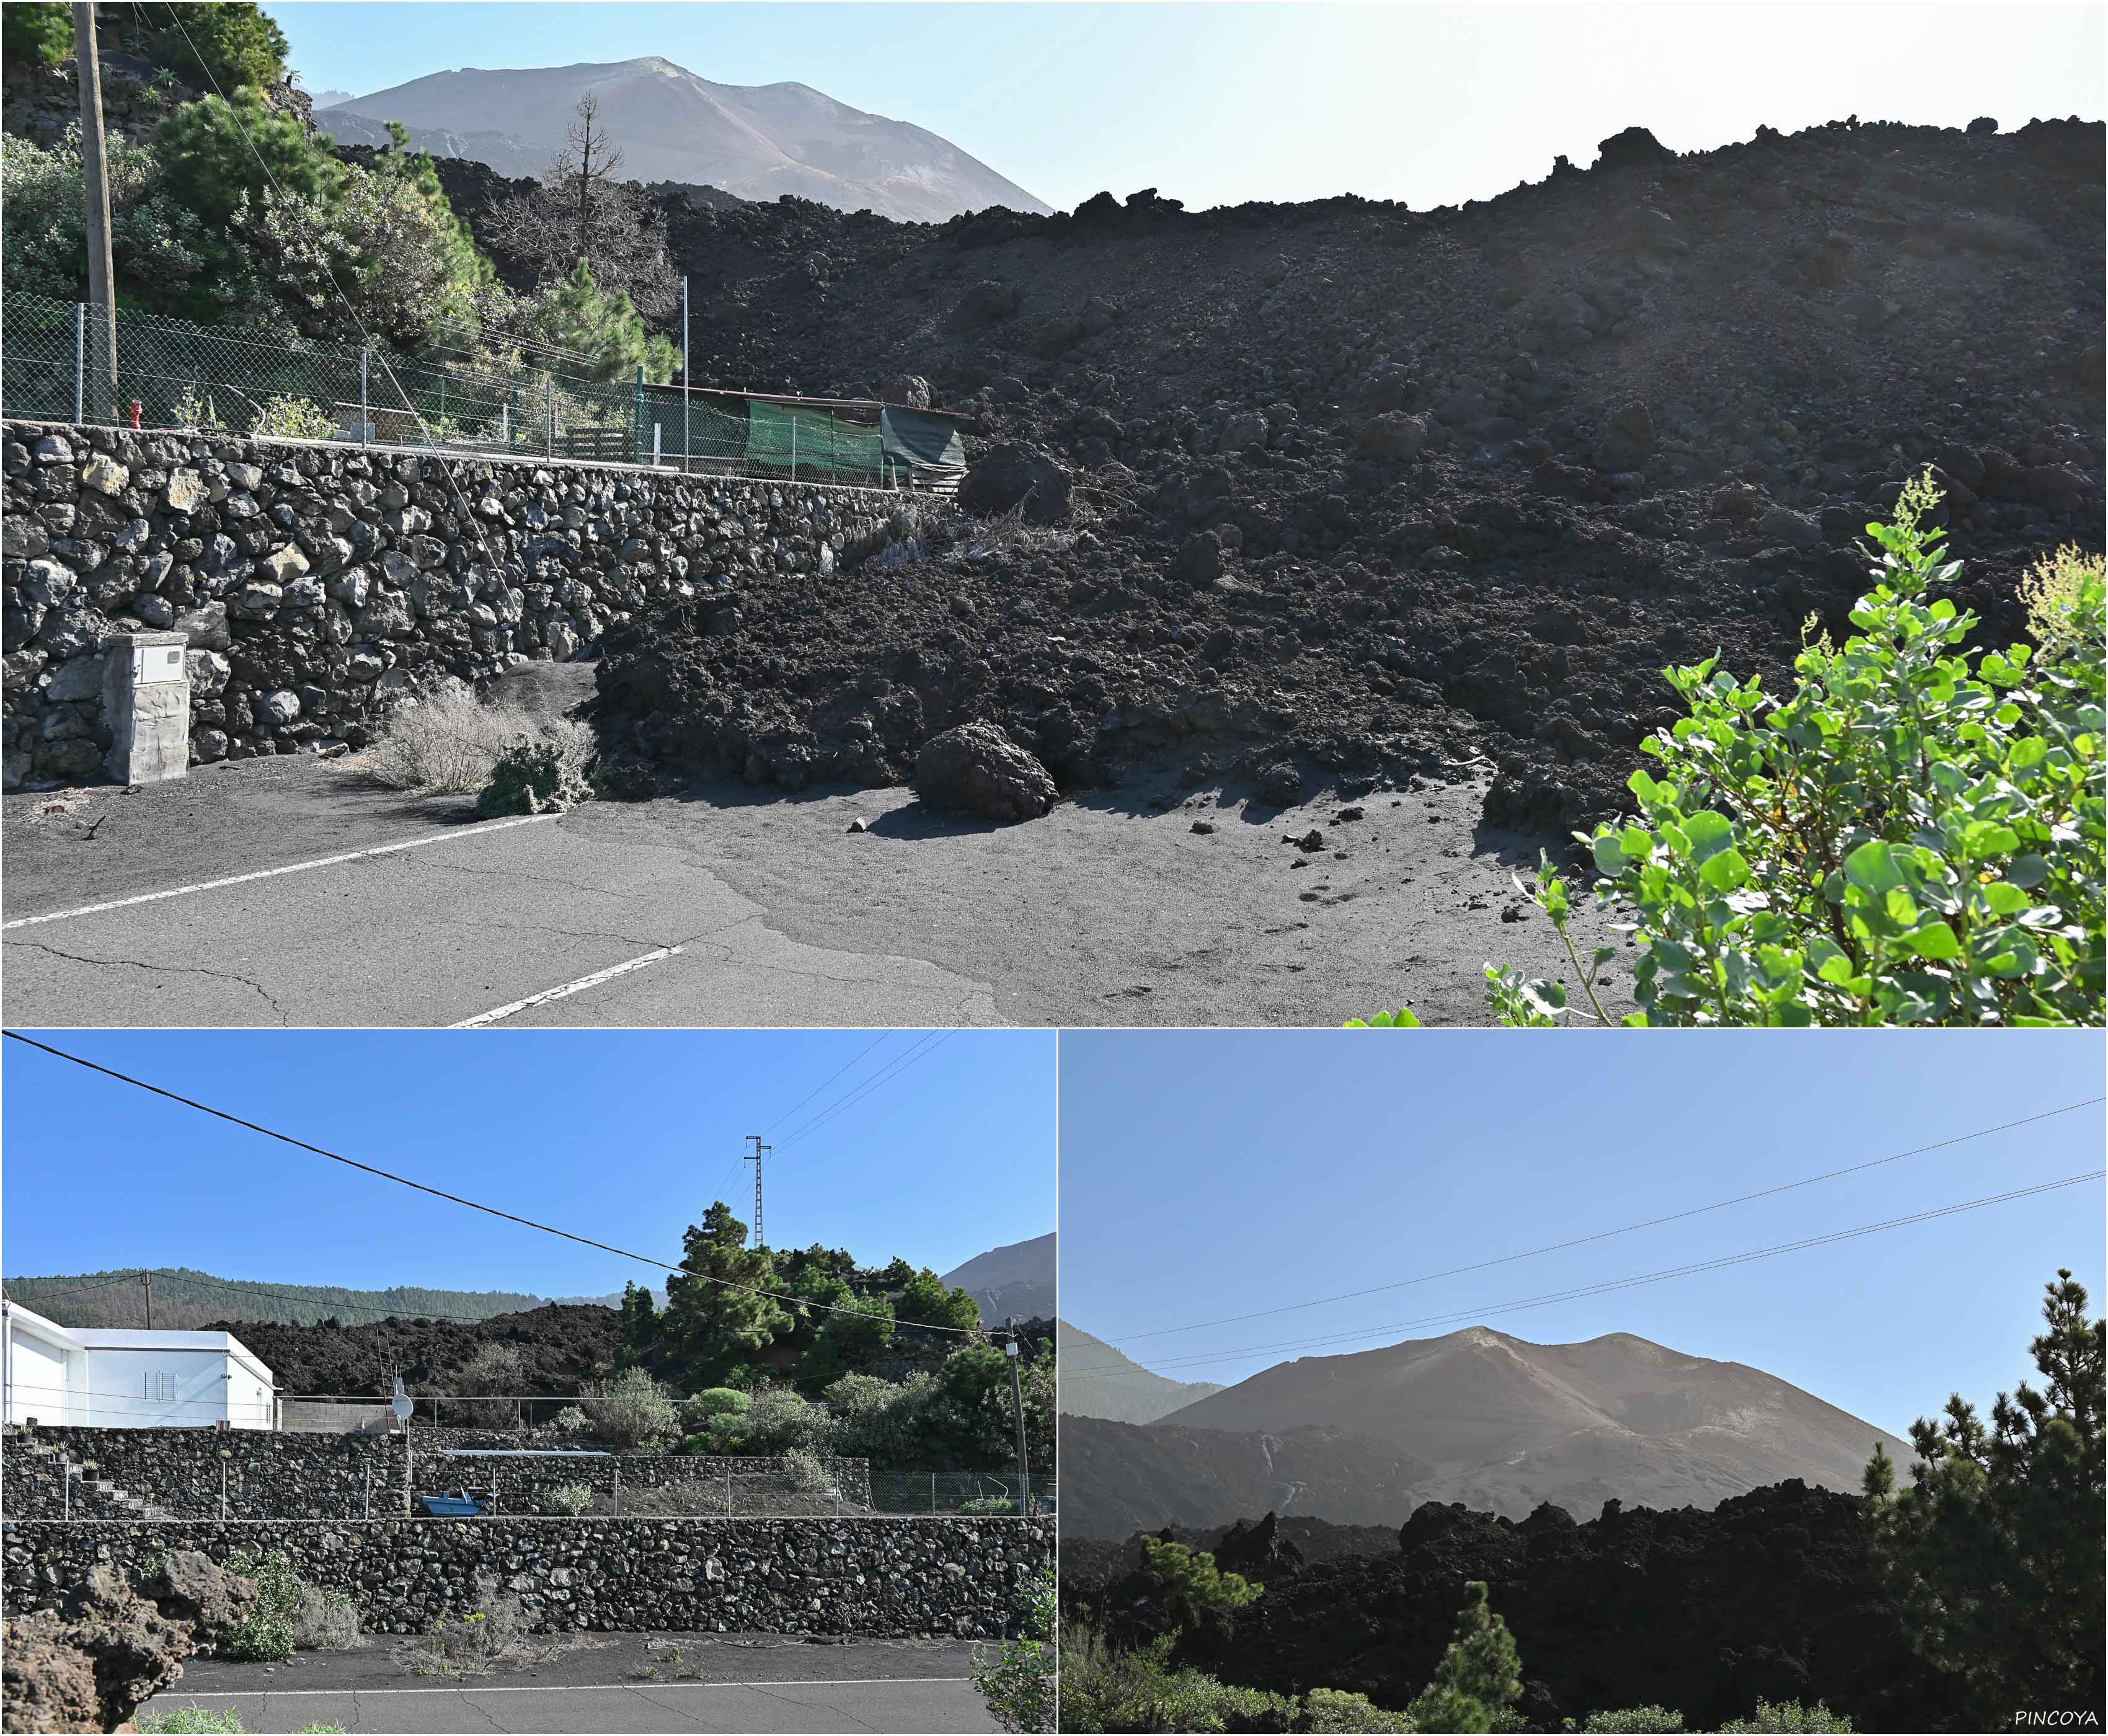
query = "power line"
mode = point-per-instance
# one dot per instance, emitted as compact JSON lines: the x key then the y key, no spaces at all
{"x":1609,"y":1285}
{"x":511,"y":1217}
{"x":1625,"y":1229}
{"x":927,"y":1048}
{"x":823,"y":1084}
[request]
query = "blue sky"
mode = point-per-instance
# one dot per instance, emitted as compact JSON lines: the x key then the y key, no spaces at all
{"x":1217,"y":104}
{"x":1211,"y":1175}
{"x":623,"y":1136}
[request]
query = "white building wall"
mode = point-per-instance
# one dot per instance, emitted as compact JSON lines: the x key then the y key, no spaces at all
{"x":42,"y":1371}
{"x":132,"y":1379}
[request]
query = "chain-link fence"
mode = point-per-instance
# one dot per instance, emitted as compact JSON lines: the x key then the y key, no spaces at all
{"x":54,"y":366}
{"x":967,"y":1492}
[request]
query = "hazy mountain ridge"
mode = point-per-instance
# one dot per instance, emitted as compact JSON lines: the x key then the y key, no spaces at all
{"x":1014,"y":1280}
{"x":1116,"y":1387}
{"x":1494,"y":1421}
{"x":185,"y":1300}
{"x":759,"y":142}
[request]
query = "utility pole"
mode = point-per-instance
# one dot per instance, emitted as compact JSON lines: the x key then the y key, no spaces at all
{"x":754,"y":1157}
{"x":95,"y":182}
{"x":685,"y":465}
{"x":146,"y":1279}
{"x":1014,"y":1355}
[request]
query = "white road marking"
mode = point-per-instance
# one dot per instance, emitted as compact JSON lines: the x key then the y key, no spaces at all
{"x":288,"y":1693}
{"x":295,"y":867}
{"x":613,"y":971}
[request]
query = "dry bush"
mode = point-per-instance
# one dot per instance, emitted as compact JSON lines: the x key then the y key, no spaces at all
{"x":326,"y":1621}
{"x":494,"y":1633}
{"x":449,"y":741}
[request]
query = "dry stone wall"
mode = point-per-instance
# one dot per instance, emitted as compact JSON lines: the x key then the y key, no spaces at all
{"x":866,"y":1577}
{"x":319,"y":582}
{"x":272,"y":1475}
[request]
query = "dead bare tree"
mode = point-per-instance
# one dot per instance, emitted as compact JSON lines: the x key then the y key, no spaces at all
{"x":597,"y":157}
{"x":582,"y":210}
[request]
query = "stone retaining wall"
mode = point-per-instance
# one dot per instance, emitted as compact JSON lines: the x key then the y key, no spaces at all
{"x":323,"y":1477}
{"x":317,"y":582}
{"x":868,"y":1577}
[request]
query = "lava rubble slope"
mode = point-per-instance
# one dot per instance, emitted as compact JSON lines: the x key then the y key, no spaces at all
{"x":1366,"y":493}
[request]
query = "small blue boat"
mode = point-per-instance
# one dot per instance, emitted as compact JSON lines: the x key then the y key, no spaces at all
{"x":452,"y":1506}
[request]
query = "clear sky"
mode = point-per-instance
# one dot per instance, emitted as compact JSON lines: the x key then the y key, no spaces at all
{"x":625,"y":1136}
{"x":1210,"y":1174}
{"x":1219,"y":103}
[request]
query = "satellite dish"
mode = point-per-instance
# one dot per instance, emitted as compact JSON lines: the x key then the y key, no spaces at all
{"x":401,"y":1405}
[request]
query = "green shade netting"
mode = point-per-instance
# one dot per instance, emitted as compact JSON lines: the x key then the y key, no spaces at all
{"x":917,"y":437}
{"x":820,"y":444}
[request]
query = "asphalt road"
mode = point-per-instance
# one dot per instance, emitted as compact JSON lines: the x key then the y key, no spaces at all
{"x":294,"y":891}
{"x":680,"y":1682}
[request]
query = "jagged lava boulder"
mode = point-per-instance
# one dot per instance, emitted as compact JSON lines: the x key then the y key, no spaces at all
{"x":976,"y":768}
{"x":1011,"y":475}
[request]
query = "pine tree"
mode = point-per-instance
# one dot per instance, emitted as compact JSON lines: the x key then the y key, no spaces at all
{"x":640,"y":1318}
{"x":1997,"y":1548}
{"x":713,"y":1317}
{"x":1479,"y":1676}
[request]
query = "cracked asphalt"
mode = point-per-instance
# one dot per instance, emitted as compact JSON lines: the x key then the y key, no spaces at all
{"x":677,"y":1682}
{"x":1112,"y":911}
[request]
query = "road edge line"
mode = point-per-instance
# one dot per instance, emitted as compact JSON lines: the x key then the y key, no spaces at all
{"x":598,"y":978}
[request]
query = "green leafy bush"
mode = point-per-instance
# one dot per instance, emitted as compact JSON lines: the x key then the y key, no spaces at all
{"x":1636,"y":1721}
{"x":988,"y":1504}
{"x":36,"y":33}
{"x":1109,"y":1688}
{"x":1908,"y":839}
{"x":631,"y":1409}
{"x":266,"y":1633}
{"x":533,"y":777}
{"x":1018,"y":1684}
{"x":715,"y":1401}
{"x":285,"y":417}
{"x":571,"y":1420}
{"x":568,"y":1499}
{"x":233,"y":41}
{"x":1788,"y":1717}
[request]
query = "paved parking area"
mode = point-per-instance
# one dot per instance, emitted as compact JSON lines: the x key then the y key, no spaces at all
{"x":294,"y":891}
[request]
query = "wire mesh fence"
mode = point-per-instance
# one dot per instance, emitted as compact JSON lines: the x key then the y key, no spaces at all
{"x":55,"y":367}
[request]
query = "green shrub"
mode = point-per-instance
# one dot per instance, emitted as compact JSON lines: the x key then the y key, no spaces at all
{"x":533,"y":777}
{"x":1788,"y":1717}
{"x":189,"y":1721}
{"x":1636,"y":1721}
{"x":1906,"y":839}
{"x":988,"y":1504}
{"x":493,"y":1633}
{"x":266,"y":1633}
{"x":571,"y":1420}
{"x":1328,"y":1710}
{"x":568,"y":1499}
{"x":631,"y":1410}
{"x":1105,"y":1688}
{"x":1019,"y":1683}
{"x":1191,"y":1587}
{"x":36,"y":33}
{"x":288,"y":417}
{"x":715,"y":1401}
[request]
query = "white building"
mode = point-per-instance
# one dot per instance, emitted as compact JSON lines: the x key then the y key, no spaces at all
{"x":99,"y":1378}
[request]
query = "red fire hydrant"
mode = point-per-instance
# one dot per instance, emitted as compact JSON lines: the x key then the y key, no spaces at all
{"x":136,"y":407}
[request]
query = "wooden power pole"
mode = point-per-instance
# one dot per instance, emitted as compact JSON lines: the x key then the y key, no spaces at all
{"x":147,"y":1278}
{"x":95,"y":182}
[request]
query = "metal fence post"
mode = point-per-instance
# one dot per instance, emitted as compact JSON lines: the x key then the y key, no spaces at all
{"x":365,"y":415}
{"x":549,"y":444}
{"x":793,"y":445}
{"x":80,"y":362}
{"x":728,"y":1491}
{"x":618,"y":1492}
{"x":933,"y":1494}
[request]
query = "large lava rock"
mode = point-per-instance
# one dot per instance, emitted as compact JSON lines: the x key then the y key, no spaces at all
{"x":1633,"y":148}
{"x":1009,"y":475}
{"x":93,"y":1662}
{"x":983,"y":302}
{"x":976,"y":768}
